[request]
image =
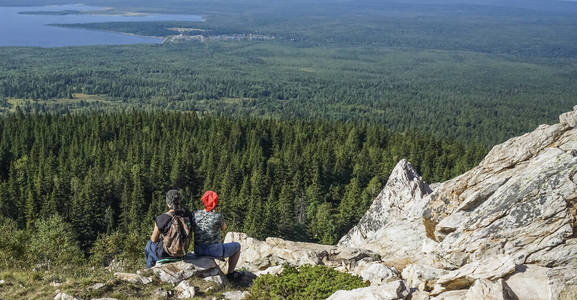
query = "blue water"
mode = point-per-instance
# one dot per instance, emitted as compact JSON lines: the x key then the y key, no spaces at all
{"x":33,"y":30}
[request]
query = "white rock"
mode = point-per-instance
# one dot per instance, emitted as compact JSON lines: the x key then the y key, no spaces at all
{"x":274,"y":270}
{"x":64,"y":296}
{"x":492,"y":268}
{"x":419,"y":295}
{"x":2,"y":282}
{"x":452,"y":295}
{"x":235,"y":295}
{"x":514,"y":202}
{"x":160,"y":293}
{"x":134,"y":278}
{"x":563,"y":282}
{"x":530,"y":282}
{"x":182,"y":270}
{"x":421,"y":277}
{"x":218,"y":279}
{"x":375,"y":273}
{"x":484,"y":289}
{"x":569,"y":118}
{"x":97,"y":286}
{"x":392,"y":226}
{"x":184,"y":290}
{"x":391,"y":290}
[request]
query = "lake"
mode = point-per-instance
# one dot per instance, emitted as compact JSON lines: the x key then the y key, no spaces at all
{"x":20,"y":28}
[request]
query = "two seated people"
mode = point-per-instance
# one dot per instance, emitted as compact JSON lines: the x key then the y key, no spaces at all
{"x":172,"y":233}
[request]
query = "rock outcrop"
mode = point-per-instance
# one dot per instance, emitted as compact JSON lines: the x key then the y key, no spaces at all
{"x":519,"y":201}
{"x":393,"y":227}
{"x":504,"y":230}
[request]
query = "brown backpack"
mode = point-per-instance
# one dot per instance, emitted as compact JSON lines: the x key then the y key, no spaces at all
{"x":176,"y":241}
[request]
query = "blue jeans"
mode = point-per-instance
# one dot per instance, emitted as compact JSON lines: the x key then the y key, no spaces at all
{"x":150,"y":253}
{"x":219,"y":251}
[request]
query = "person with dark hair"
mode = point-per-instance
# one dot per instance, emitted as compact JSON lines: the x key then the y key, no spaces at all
{"x":172,"y":231}
{"x":207,"y":234}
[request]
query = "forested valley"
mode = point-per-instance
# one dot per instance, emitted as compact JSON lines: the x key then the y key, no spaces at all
{"x":460,"y":71}
{"x":297,"y":134}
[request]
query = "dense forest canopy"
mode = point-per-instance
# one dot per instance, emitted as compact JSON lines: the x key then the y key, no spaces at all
{"x":298,"y":180}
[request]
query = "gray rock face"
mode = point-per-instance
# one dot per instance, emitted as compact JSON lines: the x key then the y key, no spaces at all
{"x":393,"y":227}
{"x":520,"y":201}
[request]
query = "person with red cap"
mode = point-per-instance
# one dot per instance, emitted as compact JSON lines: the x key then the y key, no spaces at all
{"x":207,"y":234}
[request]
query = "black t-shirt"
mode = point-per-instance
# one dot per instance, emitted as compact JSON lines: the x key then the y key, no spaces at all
{"x":163,"y":223}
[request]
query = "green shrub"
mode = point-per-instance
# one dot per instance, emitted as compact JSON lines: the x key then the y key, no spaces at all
{"x":54,"y":244}
{"x":125,"y":248}
{"x":12,"y":244}
{"x":132,"y":256}
{"x":306,"y":282}
{"x":106,"y":248}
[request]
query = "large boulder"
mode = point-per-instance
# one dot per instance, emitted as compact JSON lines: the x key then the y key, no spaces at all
{"x":393,"y":227}
{"x":521,"y":200}
{"x":191,"y":266}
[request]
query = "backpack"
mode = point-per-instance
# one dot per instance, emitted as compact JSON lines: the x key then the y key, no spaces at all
{"x":176,"y":241}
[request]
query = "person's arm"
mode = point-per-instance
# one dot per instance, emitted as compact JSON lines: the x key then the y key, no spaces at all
{"x":221,"y":222}
{"x":155,"y":234}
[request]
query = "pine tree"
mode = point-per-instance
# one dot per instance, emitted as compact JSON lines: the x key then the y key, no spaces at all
{"x":30,"y":207}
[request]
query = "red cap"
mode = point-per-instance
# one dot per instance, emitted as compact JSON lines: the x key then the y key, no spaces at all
{"x":210,"y":200}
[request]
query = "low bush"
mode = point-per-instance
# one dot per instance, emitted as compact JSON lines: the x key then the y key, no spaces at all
{"x":305,"y":282}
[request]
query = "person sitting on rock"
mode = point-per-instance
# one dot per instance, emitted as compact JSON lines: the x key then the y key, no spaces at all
{"x":207,"y":234}
{"x":172,"y":232}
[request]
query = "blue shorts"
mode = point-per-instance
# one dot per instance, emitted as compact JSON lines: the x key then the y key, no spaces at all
{"x":217,"y":250}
